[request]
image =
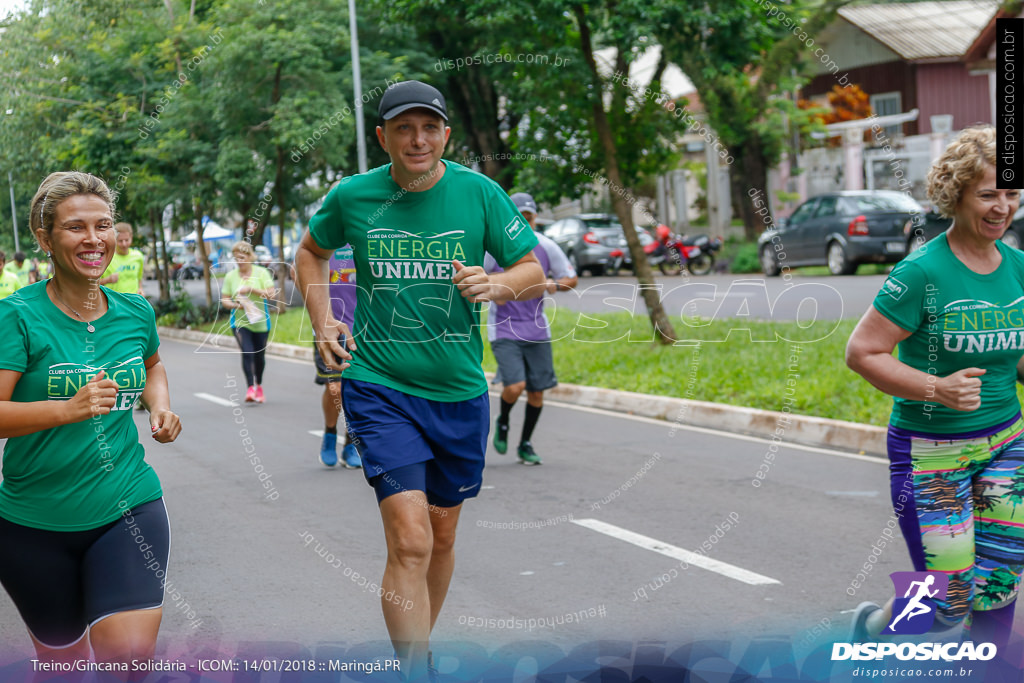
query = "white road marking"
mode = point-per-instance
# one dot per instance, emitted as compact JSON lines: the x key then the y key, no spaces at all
{"x":216,"y":399}
{"x":697,"y":559}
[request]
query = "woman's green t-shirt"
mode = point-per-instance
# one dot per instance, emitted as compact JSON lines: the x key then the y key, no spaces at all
{"x":958,"y":319}
{"x":82,"y":475}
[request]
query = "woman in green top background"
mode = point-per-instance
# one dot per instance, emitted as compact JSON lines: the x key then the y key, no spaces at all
{"x":955,"y":309}
{"x":77,"y":494}
{"x":245,"y":291}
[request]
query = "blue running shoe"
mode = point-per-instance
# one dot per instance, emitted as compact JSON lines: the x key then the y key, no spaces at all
{"x":328,"y":454}
{"x":350,"y":456}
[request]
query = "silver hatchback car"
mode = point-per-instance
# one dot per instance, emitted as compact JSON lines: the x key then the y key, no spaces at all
{"x":588,"y":239}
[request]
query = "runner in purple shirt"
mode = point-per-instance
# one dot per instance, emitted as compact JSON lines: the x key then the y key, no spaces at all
{"x":521,"y":339}
{"x":342,"y":286}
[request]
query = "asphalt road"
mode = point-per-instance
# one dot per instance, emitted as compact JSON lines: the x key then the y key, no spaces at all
{"x":539,"y":543}
{"x":730,"y":296}
{"x":713,"y":296}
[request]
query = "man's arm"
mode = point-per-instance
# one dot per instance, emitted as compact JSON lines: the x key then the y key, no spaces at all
{"x":311,"y":276}
{"x":524,"y":279}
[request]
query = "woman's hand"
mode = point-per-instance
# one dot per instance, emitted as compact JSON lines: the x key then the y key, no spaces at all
{"x":961,"y":390}
{"x":96,"y":397}
{"x":165,"y":425}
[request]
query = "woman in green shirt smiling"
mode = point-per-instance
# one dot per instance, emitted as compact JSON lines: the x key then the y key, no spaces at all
{"x":955,"y":310}
{"x":77,"y":499}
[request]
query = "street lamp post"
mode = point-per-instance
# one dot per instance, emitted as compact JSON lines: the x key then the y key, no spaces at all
{"x":357,"y":85}
{"x":14,"y":213}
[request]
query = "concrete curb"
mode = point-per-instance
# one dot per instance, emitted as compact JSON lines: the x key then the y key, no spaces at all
{"x":769,"y":424}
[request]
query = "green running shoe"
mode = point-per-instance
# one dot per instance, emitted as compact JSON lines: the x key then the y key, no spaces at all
{"x":500,"y":436}
{"x":527,"y":456}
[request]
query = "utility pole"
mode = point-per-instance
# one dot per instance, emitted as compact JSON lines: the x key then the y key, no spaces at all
{"x":357,"y":85}
{"x":14,"y":213}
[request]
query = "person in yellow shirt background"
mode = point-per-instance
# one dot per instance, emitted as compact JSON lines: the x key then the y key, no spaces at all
{"x":22,"y":269}
{"x":124,"y":274}
{"x":44,"y":269}
{"x":9,"y":282}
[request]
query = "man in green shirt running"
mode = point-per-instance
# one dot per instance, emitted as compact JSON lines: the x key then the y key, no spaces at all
{"x":414,"y":394}
{"x":124,"y":274}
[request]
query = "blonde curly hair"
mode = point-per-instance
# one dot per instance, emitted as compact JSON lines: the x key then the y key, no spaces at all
{"x":962,"y":163}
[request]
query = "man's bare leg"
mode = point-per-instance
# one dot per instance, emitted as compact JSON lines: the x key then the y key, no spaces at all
{"x":409,"y":536}
{"x":442,"y":559}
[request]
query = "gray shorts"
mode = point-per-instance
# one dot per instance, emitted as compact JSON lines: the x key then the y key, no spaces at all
{"x":324,"y":375}
{"x":528,"y":361}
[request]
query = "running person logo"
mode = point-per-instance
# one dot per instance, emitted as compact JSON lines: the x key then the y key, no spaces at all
{"x":914,"y":612}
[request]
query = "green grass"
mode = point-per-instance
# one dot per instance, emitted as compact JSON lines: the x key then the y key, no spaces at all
{"x":730,"y":365}
{"x":290,"y":327}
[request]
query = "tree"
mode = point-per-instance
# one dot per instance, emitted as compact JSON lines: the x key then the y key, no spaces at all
{"x":584,"y":120}
{"x":743,"y":63}
{"x":460,"y":39}
{"x":79,"y":75}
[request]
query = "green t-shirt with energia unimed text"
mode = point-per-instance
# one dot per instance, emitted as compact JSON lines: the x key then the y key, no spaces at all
{"x":82,"y":475}
{"x":414,"y":331}
{"x":958,"y":319}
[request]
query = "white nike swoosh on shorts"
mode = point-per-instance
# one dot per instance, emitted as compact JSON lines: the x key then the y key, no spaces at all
{"x":463,"y":489}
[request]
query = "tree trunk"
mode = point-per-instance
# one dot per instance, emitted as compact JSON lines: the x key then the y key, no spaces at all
{"x":282,"y":213}
{"x":197,"y":220}
{"x":754,"y":178}
{"x":663,"y":329}
{"x":476,"y":102}
{"x":277,"y":196}
{"x":160,"y":254}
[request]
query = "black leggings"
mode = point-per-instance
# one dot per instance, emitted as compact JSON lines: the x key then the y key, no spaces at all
{"x":254,"y":349}
{"x":62,"y":582}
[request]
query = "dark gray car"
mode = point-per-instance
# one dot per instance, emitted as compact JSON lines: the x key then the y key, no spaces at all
{"x":934,"y":225}
{"x":841,"y":230}
{"x":588,"y":239}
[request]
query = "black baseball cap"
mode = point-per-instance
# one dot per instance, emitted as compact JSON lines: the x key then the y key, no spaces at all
{"x":408,"y":95}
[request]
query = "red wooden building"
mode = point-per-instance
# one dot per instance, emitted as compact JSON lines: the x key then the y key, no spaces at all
{"x":907,"y":56}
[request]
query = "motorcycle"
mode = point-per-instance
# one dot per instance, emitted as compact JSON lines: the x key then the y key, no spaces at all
{"x":696,"y":253}
{"x":671,"y":254}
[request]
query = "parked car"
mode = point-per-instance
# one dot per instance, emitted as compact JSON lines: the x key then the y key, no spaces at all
{"x":588,"y":239}
{"x":841,"y":230}
{"x":934,"y":224}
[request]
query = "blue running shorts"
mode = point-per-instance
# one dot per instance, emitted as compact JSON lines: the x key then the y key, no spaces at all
{"x":445,"y":441}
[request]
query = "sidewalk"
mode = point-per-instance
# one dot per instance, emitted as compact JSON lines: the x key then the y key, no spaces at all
{"x":784,"y":427}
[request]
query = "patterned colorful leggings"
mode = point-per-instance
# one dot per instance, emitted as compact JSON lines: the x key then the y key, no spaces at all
{"x":957,"y":497}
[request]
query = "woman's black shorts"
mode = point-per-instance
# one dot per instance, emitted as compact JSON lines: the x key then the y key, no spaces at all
{"x":62,"y":582}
